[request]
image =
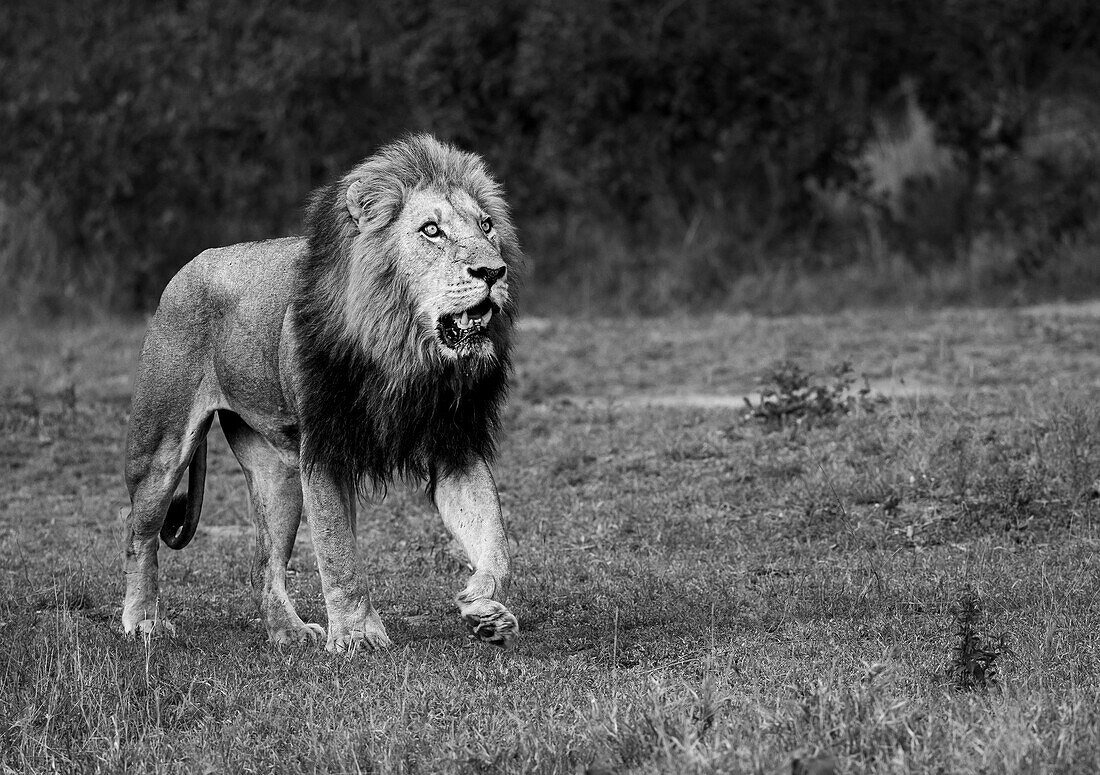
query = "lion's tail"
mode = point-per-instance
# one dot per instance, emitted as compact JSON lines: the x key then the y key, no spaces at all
{"x":183,"y":512}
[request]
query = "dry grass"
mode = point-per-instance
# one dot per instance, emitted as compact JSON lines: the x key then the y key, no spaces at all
{"x":697,"y":594}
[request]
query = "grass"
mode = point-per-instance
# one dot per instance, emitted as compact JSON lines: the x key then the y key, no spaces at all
{"x":698,"y":592}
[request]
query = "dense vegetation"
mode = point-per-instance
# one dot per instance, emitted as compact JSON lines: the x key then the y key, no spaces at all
{"x":657,"y":150}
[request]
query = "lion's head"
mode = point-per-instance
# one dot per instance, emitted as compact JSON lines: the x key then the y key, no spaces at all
{"x":404,"y":308}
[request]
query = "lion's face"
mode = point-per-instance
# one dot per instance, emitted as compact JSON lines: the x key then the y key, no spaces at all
{"x":454,"y":268}
{"x":422,"y":270}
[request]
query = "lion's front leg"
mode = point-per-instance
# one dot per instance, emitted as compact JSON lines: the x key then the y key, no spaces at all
{"x":353,"y":624}
{"x":470,"y":508}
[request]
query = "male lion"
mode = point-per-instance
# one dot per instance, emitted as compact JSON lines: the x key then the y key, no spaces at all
{"x":374,"y":347}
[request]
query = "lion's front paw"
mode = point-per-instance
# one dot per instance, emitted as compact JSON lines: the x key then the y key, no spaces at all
{"x":360,"y":640}
{"x":361,"y":633}
{"x":292,"y":637}
{"x":490,"y":622}
{"x":152,"y":628}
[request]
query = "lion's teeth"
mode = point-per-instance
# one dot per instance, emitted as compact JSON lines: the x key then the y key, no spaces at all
{"x":464,"y":321}
{"x":487,"y":316}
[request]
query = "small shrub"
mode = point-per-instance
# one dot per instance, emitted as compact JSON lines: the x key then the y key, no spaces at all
{"x":795,"y":398}
{"x":973,"y":656}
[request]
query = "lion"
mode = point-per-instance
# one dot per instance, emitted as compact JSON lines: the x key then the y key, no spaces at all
{"x":374,"y":348}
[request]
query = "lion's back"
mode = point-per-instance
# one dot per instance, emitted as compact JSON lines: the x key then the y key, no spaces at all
{"x":249,"y":282}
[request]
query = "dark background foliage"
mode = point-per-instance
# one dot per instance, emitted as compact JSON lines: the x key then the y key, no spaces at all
{"x":655,"y":152}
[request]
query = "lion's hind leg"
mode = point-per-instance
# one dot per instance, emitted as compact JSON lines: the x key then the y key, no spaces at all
{"x":275,"y":501}
{"x":159,"y":449}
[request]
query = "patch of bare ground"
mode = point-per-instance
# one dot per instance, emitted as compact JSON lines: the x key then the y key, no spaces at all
{"x":879,"y":387}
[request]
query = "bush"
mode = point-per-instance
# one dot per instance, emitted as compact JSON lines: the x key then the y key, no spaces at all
{"x":688,"y":134}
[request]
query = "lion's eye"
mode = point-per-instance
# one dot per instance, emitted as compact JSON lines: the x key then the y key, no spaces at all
{"x":487,"y":225}
{"x":431,"y":229}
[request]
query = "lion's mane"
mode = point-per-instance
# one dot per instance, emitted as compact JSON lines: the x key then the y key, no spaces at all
{"x":377,"y":399}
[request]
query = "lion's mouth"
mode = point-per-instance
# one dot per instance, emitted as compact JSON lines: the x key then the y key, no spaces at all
{"x":457,"y":330}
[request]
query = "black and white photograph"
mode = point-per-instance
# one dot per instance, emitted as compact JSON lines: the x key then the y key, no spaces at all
{"x":563,"y":386}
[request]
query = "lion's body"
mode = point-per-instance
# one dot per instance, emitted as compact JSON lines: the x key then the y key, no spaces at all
{"x":366,"y":350}
{"x":222,"y":336}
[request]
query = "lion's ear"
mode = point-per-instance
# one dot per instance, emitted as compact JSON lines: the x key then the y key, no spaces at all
{"x":356,"y":210}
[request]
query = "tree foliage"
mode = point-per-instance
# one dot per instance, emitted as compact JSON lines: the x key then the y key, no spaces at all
{"x":148,"y":131}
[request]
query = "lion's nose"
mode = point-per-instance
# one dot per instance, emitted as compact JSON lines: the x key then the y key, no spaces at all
{"x":486,"y":273}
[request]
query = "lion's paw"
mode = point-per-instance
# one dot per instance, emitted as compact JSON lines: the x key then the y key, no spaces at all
{"x":490,"y":622}
{"x":360,"y":640}
{"x":293,"y":637}
{"x":152,"y":628}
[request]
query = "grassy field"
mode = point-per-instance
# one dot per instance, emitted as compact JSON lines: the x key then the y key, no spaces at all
{"x":698,"y":592}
